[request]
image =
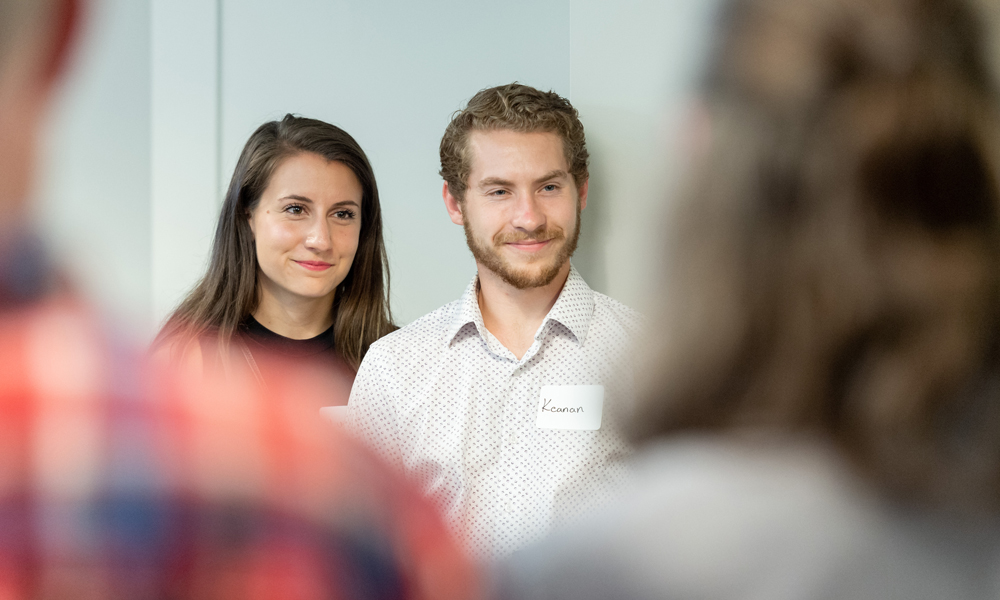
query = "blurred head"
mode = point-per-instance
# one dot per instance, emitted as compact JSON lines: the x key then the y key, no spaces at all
{"x":34,"y":45}
{"x":834,"y":268}
{"x":514,"y":163}
{"x":322,"y":209}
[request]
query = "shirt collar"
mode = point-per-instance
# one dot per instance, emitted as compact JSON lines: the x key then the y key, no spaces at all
{"x":574,"y":309}
{"x":468,"y":311}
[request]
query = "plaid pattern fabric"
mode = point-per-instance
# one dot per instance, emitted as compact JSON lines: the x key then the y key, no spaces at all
{"x":118,"y":480}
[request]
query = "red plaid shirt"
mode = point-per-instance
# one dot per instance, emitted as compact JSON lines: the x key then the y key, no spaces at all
{"x":118,"y":480}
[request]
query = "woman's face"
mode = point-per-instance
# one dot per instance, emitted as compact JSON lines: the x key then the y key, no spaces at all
{"x":306,"y":229}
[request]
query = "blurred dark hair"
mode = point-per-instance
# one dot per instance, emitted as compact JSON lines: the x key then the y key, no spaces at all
{"x":835,"y":267}
{"x":228,"y":292}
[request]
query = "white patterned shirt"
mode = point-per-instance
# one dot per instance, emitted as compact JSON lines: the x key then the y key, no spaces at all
{"x":444,"y":400}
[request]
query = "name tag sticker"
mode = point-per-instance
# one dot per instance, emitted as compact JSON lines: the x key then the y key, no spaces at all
{"x":570,"y":407}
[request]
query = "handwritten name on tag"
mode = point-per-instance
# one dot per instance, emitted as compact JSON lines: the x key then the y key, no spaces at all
{"x":570,"y":407}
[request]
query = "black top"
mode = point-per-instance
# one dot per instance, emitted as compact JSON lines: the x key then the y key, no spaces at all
{"x":272,"y":353}
{"x":259,"y":337}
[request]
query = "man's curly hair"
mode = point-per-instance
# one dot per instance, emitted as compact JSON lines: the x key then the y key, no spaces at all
{"x":513,"y":107}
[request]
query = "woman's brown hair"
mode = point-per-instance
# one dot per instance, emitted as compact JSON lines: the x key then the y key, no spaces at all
{"x":835,"y":268}
{"x":228,"y":292}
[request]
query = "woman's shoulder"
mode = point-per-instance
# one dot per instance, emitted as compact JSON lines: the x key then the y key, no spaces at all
{"x":180,"y":352}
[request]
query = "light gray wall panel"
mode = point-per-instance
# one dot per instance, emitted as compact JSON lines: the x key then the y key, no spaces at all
{"x":390,"y":73}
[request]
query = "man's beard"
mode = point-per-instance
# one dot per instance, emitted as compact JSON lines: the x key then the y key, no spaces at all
{"x":490,"y":257}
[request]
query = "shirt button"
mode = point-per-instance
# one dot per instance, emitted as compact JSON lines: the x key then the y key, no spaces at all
{"x":508,"y":507}
{"x":512,"y":438}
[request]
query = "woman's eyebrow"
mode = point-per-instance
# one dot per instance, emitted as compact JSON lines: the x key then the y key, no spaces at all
{"x":296,"y":197}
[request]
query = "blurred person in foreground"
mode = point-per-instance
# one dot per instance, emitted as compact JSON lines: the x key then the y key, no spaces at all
{"x":825,"y":422}
{"x":118,"y":480}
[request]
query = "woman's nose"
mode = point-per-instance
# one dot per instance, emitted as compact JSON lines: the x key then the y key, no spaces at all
{"x":318,"y":237}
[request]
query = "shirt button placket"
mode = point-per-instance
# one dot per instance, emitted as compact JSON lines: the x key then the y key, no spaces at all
{"x":512,"y":437}
{"x":511,"y":409}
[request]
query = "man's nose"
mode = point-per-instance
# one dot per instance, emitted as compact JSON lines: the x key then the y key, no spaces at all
{"x":528,"y":214}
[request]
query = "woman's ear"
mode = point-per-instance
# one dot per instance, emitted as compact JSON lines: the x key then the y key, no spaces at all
{"x":248,"y":215}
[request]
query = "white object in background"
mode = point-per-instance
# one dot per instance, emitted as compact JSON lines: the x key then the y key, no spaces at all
{"x":334,"y":414}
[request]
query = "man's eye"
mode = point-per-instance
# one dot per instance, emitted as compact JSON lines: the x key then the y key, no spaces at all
{"x":499,"y":193}
{"x":550,"y":187}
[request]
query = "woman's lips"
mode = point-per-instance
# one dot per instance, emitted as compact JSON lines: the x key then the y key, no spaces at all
{"x":314,"y":265}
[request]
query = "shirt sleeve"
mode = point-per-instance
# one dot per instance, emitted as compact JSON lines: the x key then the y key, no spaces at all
{"x":371,"y":415}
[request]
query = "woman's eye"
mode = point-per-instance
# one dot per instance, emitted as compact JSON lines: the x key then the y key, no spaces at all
{"x":294,"y":209}
{"x":344,"y":214}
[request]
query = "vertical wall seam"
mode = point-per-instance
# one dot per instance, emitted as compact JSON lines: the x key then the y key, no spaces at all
{"x":570,"y":97}
{"x":154,"y":318}
{"x":220,"y":188}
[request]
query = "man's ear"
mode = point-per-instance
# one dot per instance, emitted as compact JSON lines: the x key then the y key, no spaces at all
{"x":32,"y":63}
{"x":452,"y":205}
{"x":582,"y":191}
{"x":65,"y":25}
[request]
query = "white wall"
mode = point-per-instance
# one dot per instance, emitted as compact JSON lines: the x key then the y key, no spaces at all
{"x":95,"y":179}
{"x":184,"y":126}
{"x":390,"y":73}
{"x":184,"y":82}
{"x":634,"y":67}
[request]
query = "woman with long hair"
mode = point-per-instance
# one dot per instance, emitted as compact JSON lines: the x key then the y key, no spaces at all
{"x":298,"y":266}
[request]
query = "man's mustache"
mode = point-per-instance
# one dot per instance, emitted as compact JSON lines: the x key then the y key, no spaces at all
{"x":539,"y":235}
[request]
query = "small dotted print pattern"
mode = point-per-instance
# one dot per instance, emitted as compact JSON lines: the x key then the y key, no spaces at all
{"x":444,"y":400}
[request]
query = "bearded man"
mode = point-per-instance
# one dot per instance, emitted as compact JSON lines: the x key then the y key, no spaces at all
{"x":503,"y":405}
